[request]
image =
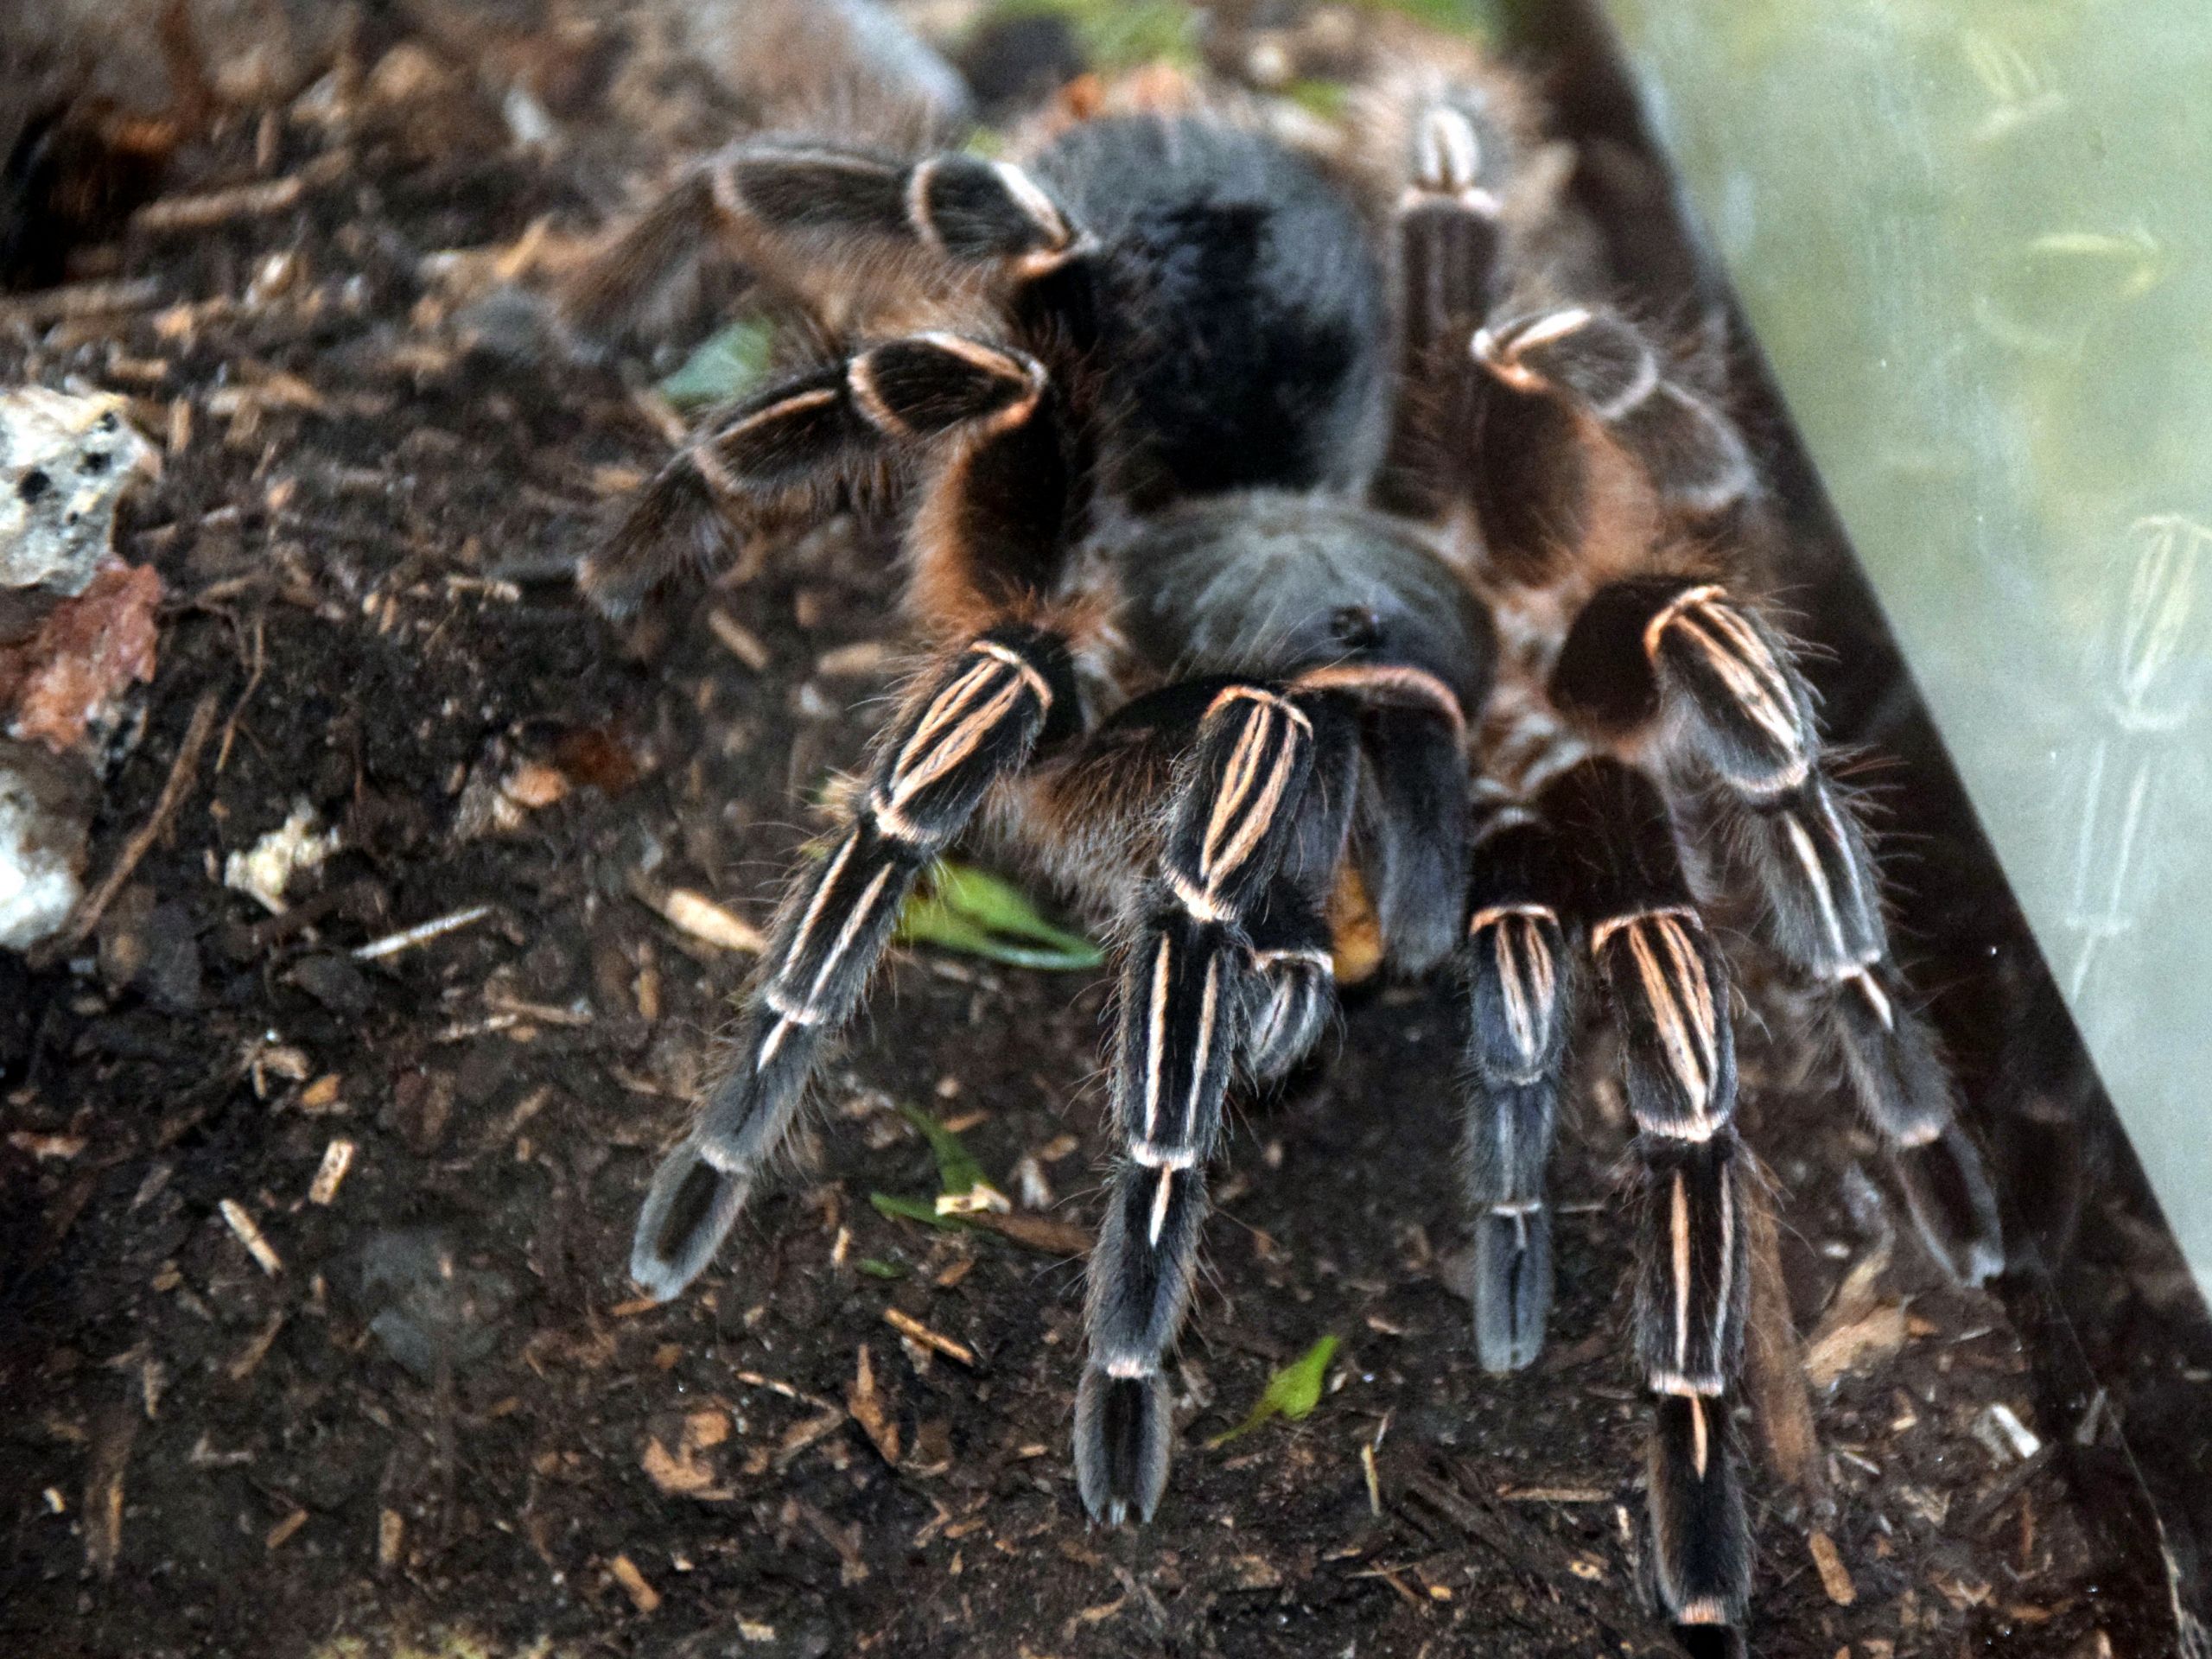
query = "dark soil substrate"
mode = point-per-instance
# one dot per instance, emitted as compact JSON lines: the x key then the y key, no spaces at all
{"x":443,"y":1421}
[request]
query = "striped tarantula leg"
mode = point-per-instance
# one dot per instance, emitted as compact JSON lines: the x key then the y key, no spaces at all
{"x":1725,"y":687}
{"x":1187,"y":995}
{"x":1665,"y":983}
{"x":1604,"y":368}
{"x":1295,"y":996}
{"x":1685,"y":653}
{"x":977,"y":721}
{"x":960,"y":206}
{"x":1456,"y":161}
{"x":1448,"y":219}
{"x":1520,"y":979}
{"x":889,"y":399}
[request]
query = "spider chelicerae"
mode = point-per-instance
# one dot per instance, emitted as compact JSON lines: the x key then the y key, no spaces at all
{"x":1305,"y":550}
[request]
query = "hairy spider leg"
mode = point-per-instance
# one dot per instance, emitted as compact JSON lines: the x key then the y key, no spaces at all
{"x":1665,"y":984}
{"x":980,"y":718}
{"x":796,"y":203}
{"x":1603,"y":368}
{"x":1683,"y":657}
{"x":1191,"y":1000}
{"x":890,"y":402}
{"x":1447,"y":229}
{"x":988,"y":575}
{"x":1518,"y":962}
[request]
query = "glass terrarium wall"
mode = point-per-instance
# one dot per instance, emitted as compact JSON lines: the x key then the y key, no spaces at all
{"x":1972,"y":237}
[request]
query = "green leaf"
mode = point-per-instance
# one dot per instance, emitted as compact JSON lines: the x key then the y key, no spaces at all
{"x":1292,"y":1392}
{"x":1478,"y":19}
{"x":960,"y":908}
{"x":1118,"y":35}
{"x":1325,"y":98}
{"x":891,"y":1207}
{"x":876,"y":1268}
{"x":957,"y":1172}
{"x":726,"y":366}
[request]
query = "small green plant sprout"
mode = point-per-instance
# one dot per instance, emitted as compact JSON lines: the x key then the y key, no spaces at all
{"x":1292,"y":1392}
{"x":959,"y":907}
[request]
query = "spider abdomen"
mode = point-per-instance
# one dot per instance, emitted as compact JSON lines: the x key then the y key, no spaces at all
{"x":1243,"y":314}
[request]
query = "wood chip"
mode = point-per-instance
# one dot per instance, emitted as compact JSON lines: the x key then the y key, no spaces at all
{"x":799,"y":1436}
{"x":907,"y":1326}
{"x":2000,"y":1429}
{"x":393,"y":943}
{"x":337,"y":1158}
{"x":44,"y":1147}
{"x":250,"y":1357}
{"x":392,"y":1534}
{"x":251,"y":1236}
{"x":175,"y":788}
{"x":1860,"y":1329}
{"x":740,"y":641}
{"x":256,"y":200}
{"x":642,"y":1595}
{"x":110,"y":1453}
{"x":1774,"y":1359}
{"x":703,"y":919}
{"x":854,"y":661}
{"x":279,"y":1535}
{"x":1855,"y":1344}
{"x":1040,"y":1233}
{"x":872,"y":1410}
{"x":1835,"y":1577}
{"x":75,"y":300}
{"x":684,"y":1473}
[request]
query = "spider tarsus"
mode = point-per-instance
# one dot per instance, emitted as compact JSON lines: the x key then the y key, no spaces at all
{"x":1294,"y":989}
{"x":689,"y":1211}
{"x":672,"y":527}
{"x":1122,"y":1426}
{"x":1953,"y":1205}
{"x":1513,"y":1286}
{"x":1712,"y":1641}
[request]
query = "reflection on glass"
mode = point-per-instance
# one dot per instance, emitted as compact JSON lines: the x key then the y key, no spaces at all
{"x":1972,"y":237}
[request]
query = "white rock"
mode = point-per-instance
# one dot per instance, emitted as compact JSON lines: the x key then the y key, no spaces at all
{"x":65,"y":462}
{"x":267,"y":868}
{"x":43,"y":828}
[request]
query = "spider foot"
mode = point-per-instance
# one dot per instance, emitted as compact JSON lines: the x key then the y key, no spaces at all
{"x":1122,"y":1428}
{"x":701,"y":1186}
{"x":1513,"y":1286}
{"x":687,"y":1212}
{"x":1953,"y":1205}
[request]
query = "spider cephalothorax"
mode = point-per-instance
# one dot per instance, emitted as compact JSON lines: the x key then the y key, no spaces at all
{"x":1287,"y":528}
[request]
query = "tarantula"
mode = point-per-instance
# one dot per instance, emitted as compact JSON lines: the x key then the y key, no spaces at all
{"x":1302,"y":546}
